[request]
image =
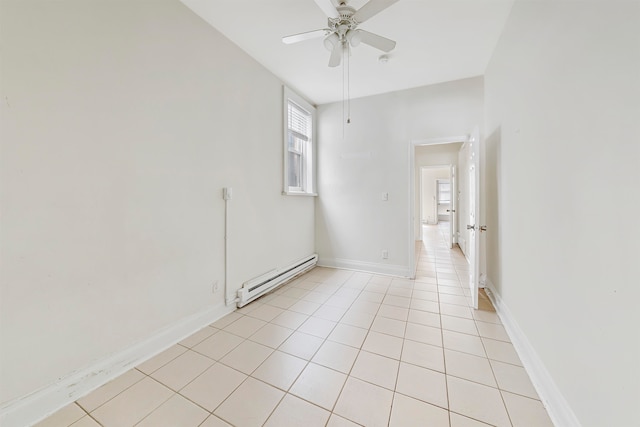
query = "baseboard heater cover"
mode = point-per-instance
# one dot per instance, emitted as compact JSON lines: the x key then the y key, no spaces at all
{"x":259,"y":286}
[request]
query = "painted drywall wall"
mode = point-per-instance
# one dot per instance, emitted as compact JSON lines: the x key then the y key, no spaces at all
{"x":121,"y":124}
{"x":360,"y":161}
{"x":429,"y":193}
{"x":563,"y":101}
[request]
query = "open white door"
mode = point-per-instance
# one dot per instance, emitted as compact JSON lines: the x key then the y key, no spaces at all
{"x":474,"y":215}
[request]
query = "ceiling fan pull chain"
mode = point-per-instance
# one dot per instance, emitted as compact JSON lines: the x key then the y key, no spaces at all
{"x":348,"y":83}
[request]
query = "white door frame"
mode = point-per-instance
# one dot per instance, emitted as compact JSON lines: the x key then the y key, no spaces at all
{"x":412,"y":189}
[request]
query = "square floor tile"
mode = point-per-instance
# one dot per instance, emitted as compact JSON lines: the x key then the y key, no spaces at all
{"x":526,"y":412}
{"x":336,"y":356}
{"x":424,"y":318}
{"x":212,"y":387}
{"x":226,"y":320}
{"x":280,"y":370}
{"x":282,"y":301}
{"x":133,"y":404}
{"x":295,"y":412}
{"x":396,"y":301}
{"x":369,"y":296}
{"x":492,"y":330}
{"x":424,"y":334}
{"x":463,"y":342}
{"x":409,"y":412}
{"x":319,"y":385}
{"x":333,"y":314}
{"x":214,"y":421}
{"x":301,"y":345}
{"x":458,"y":420}
{"x":393,"y":312}
{"x":349,"y":335}
{"x":425,"y":355}
{"x":384,"y":345}
{"x":456,"y":310}
{"x":64,"y":417}
{"x":513,"y":378}
{"x":338,"y":421}
{"x":364,"y":403}
{"x":245,"y":326}
{"x":425,"y":295}
{"x":317,"y":327}
{"x":424,"y":305}
{"x":182,"y":370}
{"x":376,"y":369}
{"x":477,"y":401}
{"x":453,"y":299}
{"x":85,"y":421}
{"x":218,"y":345}
{"x":175,"y":411}
{"x":266,"y":312}
{"x":366,"y":307}
{"x":389,"y":326}
{"x":317,"y":297}
{"x":423,"y":384}
{"x":264,"y":398}
{"x":486,"y":316}
{"x":198,"y":337}
{"x":247,"y":356}
{"x":501,"y":351}
{"x":162,"y":359}
{"x":290,"y":319}
{"x":305,"y":307}
{"x":357,"y":318}
{"x":271,"y":335}
{"x":458,"y":324}
{"x":339,"y":301}
{"x":111,"y":389}
{"x":469,"y":367}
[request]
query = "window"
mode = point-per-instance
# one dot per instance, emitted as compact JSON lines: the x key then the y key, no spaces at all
{"x":299,"y":147}
{"x":444,"y":192}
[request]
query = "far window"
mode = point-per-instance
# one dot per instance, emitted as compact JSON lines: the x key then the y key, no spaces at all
{"x":299,"y":149}
{"x":444,"y":192}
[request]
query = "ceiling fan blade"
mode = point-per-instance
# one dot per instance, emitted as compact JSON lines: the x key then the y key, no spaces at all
{"x":295,"y":38}
{"x":374,"y":40}
{"x":336,"y":55}
{"x":328,"y":8}
{"x":373,"y":7}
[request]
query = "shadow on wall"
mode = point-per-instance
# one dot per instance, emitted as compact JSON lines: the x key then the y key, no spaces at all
{"x":493,"y":147}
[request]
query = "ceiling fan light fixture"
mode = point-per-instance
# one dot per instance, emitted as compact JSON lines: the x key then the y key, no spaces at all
{"x":354,"y":37}
{"x":331,"y":41}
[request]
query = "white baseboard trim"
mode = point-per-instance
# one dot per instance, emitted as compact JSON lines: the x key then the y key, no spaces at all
{"x":367,"y":267}
{"x":557,"y":407}
{"x":36,"y":406}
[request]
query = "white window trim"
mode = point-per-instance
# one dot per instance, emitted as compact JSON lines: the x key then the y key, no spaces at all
{"x":310,"y":168}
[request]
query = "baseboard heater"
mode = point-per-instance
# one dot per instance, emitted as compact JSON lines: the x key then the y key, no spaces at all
{"x":259,"y":286}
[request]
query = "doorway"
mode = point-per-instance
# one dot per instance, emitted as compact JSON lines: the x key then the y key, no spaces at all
{"x":437,"y":200}
{"x":448,"y":151}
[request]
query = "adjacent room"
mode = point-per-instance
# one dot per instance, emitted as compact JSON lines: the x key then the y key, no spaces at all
{"x":319,"y":212}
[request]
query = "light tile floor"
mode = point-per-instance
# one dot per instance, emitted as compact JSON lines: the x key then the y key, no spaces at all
{"x":334,"y":348}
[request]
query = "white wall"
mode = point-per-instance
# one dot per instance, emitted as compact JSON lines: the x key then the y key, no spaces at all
{"x":428,"y":198}
{"x":121,"y":123}
{"x":563,"y":109}
{"x":353,"y":224}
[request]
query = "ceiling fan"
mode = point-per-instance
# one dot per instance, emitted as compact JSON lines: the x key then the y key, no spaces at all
{"x":343,"y":29}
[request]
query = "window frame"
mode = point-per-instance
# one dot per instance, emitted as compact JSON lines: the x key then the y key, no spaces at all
{"x":308,"y":151}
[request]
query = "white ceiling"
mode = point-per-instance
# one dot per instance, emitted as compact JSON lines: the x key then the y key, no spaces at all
{"x":437,"y":41}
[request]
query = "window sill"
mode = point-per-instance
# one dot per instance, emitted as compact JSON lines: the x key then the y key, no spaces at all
{"x":298,"y":193}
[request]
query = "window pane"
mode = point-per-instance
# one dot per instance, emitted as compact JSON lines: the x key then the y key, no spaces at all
{"x":295,"y":170}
